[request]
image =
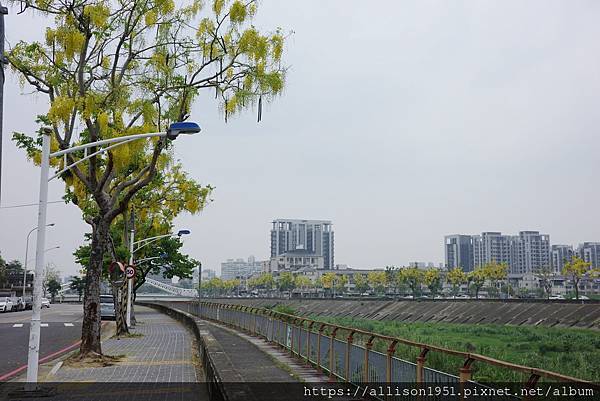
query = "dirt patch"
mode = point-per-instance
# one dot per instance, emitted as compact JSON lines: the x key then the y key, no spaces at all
{"x":92,"y":360}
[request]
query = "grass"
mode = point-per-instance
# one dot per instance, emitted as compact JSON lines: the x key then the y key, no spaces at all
{"x":573,"y":352}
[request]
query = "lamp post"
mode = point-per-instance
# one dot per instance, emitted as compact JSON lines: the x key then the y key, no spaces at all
{"x":145,"y":242}
{"x":3,"y":12}
{"x":34,"y":329}
{"x":26,"y":252}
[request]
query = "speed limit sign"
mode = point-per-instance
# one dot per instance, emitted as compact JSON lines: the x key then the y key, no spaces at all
{"x":130,"y":271}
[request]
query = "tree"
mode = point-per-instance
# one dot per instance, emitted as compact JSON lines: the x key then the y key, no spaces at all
{"x":456,"y":277}
{"x":78,"y":285}
{"x":476,"y":279}
{"x":51,"y":273}
{"x":545,"y":275}
{"x":121,"y":68}
{"x":390,"y":274}
{"x":302,"y":282}
{"x":495,"y":272}
{"x":327,"y":281}
{"x":285,"y":282}
{"x":576,"y":269}
{"x":413,"y":277}
{"x":361,"y":283}
{"x":433,"y":281}
{"x":377,"y":280}
{"x":340,"y":282}
{"x":53,"y":287}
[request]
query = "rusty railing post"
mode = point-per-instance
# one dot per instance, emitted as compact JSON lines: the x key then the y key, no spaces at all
{"x":321,"y":328}
{"x":349,"y":341}
{"x":421,"y":365}
{"x":368,"y":347}
{"x":332,"y":358}
{"x":530,"y":384}
{"x":390,"y":354}
{"x":308,"y":335}
{"x":464,"y":375}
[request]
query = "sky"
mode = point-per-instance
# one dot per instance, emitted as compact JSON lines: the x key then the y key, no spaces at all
{"x":401,"y":121}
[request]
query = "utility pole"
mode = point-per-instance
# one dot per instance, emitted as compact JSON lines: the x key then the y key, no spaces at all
{"x":130,"y":281}
{"x":3,"y":12}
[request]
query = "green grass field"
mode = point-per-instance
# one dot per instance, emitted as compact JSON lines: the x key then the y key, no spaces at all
{"x":573,"y":352}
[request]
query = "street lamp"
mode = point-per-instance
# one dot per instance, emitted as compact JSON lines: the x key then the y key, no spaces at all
{"x":145,"y":242}
{"x":26,"y":251}
{"x":34,"y":329}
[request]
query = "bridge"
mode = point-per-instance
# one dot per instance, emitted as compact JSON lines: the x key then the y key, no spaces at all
{"x":170,"y":289}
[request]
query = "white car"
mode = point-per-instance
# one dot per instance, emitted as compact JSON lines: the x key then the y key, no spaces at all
{"x":6,"y":304}
{"x":556,"y":297}
{"x":45,"y":303}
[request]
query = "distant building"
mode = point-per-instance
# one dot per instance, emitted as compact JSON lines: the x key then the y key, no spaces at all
{"x":530,"y":251}
{"x":560,"y":254}
{"x":294,"y":260}
{"x":524,"y":253}
{"x":311,"y":237}
{"x":208,"y":274}
{"x":490,"y":247}
{"x":240,"y":268}
{"x":590,"y":252}
{"x":459,"y":251}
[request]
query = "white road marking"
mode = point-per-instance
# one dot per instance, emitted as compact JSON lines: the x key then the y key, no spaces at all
{"x":68,"y":324}
{"x":43,"y":324}
{"x":18,"y":325}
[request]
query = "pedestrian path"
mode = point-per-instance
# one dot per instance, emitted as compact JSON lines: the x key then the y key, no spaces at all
{"x":159,"y":350}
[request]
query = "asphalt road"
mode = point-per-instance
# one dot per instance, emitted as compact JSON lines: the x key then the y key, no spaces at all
{"x":61,"y":328}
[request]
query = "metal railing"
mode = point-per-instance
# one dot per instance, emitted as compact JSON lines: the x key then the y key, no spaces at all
{"x":347,"y":354}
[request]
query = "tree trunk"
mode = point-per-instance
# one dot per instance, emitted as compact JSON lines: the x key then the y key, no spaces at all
{"x":90,"y":330}
{"x":118,"y":299}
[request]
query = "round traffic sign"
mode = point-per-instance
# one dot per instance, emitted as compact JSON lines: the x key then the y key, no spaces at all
{"x":130,"y":271}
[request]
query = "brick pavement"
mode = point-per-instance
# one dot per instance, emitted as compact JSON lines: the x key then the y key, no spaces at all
{"x":162,"y":354}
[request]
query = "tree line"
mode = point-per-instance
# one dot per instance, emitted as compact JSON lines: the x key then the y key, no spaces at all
{"x":491,"y":277}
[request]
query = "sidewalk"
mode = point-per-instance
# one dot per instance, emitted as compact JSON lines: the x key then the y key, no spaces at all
{"x":156,"y":362}
{"x":159,"y":350}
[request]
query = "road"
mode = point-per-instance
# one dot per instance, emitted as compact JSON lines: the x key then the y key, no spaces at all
{"x":61,"y":329}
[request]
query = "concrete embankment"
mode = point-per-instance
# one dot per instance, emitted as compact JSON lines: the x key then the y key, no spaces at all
{"x":512,"y":312}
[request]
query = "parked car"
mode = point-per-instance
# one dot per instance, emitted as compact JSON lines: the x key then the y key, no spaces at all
{"x":556,"y":297}
{"x":28,"y":302}
{"x":18,"y":304}
{"x":6,"y":304}
{"x":107,"y":307}
{"x":45,"y":303}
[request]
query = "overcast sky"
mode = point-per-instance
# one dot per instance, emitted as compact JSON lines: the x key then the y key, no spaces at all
{"x":401,"y":121}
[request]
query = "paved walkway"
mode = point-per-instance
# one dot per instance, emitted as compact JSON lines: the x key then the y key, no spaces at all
{"x":161,"y":353}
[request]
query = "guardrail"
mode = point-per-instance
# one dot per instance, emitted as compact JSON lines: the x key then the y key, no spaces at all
{"x":347,"y":353}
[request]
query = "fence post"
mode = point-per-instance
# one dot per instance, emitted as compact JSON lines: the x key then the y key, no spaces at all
{"x":291,"y":327}
{"x":390,"y":354}
{"x":332,"y":358}
{"x":300,"y":326}
{"x":368,"y":347}
{"x":321,"y":328}
{"x":308,"y":336}
{"x":531,"y":383}
{"x":349,"y":341}
{"x":465,"y":374}
{"x":421,"y":365}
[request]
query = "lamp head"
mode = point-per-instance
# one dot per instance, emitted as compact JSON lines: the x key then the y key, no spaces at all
{"x":183,"y":232}
{"x":184,"y":127}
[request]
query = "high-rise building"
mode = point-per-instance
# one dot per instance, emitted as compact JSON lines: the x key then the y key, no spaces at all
{"x":590,"y":252}
{"x":523,"y":253}
{"x":459,"y":251}
{"x":239,"y":268}
{"x":491,"y":247}
{"x":529,"y":251}
{"x":311,"y":237}
{"x":560,"y":254}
